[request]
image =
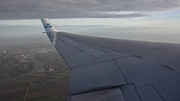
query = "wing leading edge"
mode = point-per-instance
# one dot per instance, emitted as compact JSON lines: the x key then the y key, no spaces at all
{"x":99,"y":74}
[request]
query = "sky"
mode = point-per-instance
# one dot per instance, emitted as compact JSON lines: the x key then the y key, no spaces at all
{"x":147,"y":20}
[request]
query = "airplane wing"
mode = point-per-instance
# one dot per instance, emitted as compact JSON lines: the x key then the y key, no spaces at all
{"x":104,"y":69}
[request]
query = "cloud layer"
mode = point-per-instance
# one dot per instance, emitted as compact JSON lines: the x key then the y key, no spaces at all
{"x":35,"y":9}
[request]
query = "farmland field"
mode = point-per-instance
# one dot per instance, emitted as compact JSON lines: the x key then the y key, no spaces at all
{"x":48,"y":84}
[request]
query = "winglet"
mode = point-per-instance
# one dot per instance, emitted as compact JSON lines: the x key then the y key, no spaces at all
{"x":48,"y":26}
{"x":50,"y":30}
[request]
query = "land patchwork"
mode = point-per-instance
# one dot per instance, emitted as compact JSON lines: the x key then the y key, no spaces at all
{"x":48,"y":84}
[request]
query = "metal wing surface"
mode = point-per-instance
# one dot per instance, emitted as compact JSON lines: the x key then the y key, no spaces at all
{"x":105,"y":69}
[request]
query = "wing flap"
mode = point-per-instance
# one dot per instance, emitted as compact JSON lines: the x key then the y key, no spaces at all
{"x":114,"y":94}
{"x":104,"y":75}
{"x":130,"y":93}
{"x":148,"y":93}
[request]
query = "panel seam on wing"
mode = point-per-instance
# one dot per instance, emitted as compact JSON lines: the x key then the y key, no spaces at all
{"x":120,"y":70}
{"x":79,"y":66}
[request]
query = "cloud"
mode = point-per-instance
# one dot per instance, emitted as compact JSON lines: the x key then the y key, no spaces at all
{"x":35,"y":9}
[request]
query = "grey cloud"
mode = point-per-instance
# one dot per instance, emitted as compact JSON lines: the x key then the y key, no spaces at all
{"x":35,"y":9}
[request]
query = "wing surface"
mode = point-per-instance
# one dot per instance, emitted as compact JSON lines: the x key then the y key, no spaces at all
{"x":102,"y":73}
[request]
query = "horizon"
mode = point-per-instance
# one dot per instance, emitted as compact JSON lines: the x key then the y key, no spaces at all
{"x":113,"y":28}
